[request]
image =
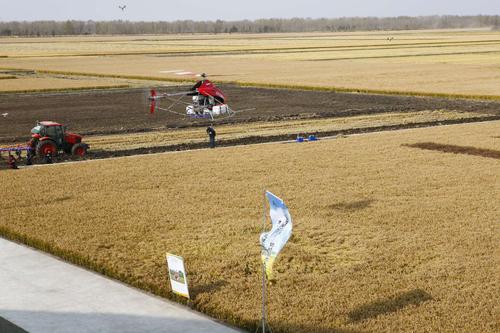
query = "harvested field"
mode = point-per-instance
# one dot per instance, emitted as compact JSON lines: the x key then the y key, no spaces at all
{"x":25,"y":81}
{"x":240,"y":43}
{"x":432,"y":63}
{"x":124,"y":111}
{"x":28,"y":84}
{"x":387,"y":238}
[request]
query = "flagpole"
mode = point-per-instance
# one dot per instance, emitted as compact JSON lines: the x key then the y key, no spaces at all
{"x":264,"y":273}
{"x":263,"y":300}
{"x":263,"y":323}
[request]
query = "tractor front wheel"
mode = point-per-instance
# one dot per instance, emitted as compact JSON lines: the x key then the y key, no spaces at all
{"x":79,"y":149}
{"x":45,"y":148}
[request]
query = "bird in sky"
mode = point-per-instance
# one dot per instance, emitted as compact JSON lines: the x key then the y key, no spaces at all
{"x":122,"y":7}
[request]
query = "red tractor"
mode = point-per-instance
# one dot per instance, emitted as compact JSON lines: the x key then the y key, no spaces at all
{"x":48,"y":138}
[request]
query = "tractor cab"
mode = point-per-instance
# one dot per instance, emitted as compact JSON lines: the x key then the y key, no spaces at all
{"x":48,"y":137}
{"x":51,"y":130}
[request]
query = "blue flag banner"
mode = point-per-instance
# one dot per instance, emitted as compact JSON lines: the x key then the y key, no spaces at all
{"x":272,"y":242}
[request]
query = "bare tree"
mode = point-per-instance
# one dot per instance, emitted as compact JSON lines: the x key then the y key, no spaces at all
{"x":52,"y":28}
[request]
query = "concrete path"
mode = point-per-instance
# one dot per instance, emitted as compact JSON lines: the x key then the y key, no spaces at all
{"x":42,"y":294}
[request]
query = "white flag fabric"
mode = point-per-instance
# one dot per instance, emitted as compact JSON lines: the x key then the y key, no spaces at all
{"x":273,"y":241}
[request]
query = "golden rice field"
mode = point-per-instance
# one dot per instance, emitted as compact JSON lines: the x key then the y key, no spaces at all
{"x":387,"y":237}
{"x":17,"y":47}
{"x":463,"y":63}
{"x":15,"y":82}
{"x":50,"y":83}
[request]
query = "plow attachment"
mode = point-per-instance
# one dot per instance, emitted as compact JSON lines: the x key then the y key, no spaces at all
{"x":17,"y":149}
{"x":14,"y":155}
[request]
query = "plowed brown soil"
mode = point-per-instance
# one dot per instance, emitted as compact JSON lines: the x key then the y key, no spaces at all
{"x":125,"y":111}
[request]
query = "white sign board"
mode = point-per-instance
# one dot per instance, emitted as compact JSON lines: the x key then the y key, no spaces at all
{"x":177,"y":274}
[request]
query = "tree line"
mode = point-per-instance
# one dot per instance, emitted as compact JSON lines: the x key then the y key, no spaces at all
{"x":273,"y":25}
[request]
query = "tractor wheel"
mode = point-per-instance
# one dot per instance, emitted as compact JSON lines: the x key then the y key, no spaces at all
{"x":45,"y":148}
{"x":79,"y":149}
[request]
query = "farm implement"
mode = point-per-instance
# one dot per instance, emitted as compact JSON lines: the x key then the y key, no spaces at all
{"x":48,"y":140}
{"x":14,"y":155}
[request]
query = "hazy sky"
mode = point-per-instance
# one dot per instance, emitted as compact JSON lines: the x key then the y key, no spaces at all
{"x":154,"y":10}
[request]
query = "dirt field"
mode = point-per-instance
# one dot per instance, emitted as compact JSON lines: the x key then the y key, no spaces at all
{"x":393,"y":232}
{"x":125,"y":111}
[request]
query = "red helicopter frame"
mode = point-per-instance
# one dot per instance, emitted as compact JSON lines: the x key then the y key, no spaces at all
{"x":208,"y":101}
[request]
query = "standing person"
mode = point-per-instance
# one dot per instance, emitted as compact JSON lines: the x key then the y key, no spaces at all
{"x":48,"y":158}
{"x":12,"y":161}
{"x":29,"y":157}
{"x":211,"y":134}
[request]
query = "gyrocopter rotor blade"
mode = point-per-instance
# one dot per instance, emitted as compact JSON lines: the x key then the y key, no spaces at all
{"x":197,"y":75}
{"x":205,"y":75}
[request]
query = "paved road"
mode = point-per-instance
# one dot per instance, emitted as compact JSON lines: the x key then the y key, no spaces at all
{"x":42,"y":294}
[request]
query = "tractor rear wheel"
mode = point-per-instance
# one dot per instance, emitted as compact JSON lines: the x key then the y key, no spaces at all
{"x":45,"y":148}
{"x":79,"y":149}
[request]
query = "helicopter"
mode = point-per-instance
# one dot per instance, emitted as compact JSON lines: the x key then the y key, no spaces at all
{"x":207,"y":100}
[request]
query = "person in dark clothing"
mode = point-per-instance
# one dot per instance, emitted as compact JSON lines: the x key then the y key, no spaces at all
{"x":12,"y":162}
{"x":48,"y":158}
{"x":211,"y":134}
{"x":29,"y":157}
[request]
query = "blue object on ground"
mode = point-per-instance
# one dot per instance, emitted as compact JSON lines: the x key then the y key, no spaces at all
{"x":300,"y":139}
{"x":312,"y":138}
